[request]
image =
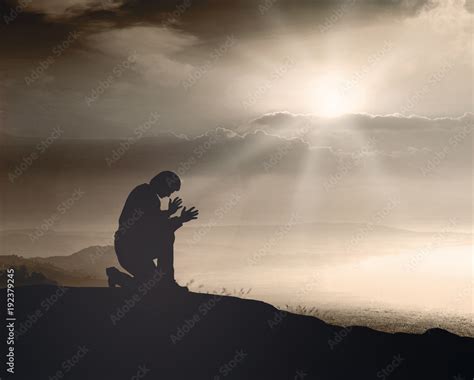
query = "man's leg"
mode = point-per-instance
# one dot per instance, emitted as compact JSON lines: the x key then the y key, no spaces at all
{"x":140,"y":267}
{"x":115,"y":277}
{"x":166,"y":259}
{"x":133,"y":258}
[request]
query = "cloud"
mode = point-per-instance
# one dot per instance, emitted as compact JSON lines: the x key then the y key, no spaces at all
{"x":469,"y":5}
{"x":391,"y":133}
{"x":196,"y":16}
{"x":155,"y":50}
{"x":56,"y":9}
{"x":335,"y":171}
{"x":397,"y":145}
{"x":173,"y":46}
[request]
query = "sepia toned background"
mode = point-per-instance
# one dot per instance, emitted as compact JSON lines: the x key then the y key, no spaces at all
{"x":327,"y":145}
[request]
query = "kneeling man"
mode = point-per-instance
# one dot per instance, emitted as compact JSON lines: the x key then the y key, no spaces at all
{"x":146,"y":232}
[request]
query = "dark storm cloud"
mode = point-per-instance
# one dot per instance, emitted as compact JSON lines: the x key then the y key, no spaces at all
{"x":28,"y":34}
{"x":110,"y":30}
{"x":469,"y":5}
{"x":213,"y":18}
{"x":31,"y":29}
{"x":201,"y":17}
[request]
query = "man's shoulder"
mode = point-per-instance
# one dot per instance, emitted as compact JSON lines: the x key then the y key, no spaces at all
{"x":143,"y":187}
{"x":142,"y":191}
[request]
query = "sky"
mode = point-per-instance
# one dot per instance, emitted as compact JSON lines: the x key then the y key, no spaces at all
{"x":99,"y":68}
{"x":287,"y":121}
{"x":329,"y":108}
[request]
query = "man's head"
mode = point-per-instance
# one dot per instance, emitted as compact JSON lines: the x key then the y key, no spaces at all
{"x":165,"y":183}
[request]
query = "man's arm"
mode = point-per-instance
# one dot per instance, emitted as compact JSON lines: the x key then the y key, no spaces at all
{"x":175,"y":222}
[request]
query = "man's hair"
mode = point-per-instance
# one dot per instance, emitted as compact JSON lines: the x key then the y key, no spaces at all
{"x":166,"y":179}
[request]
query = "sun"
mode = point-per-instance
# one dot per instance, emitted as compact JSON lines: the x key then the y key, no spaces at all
{"x":329,"y":98}
{"x":332,"y":104}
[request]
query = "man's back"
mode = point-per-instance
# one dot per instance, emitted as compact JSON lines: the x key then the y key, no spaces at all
{"x":141,"y":213}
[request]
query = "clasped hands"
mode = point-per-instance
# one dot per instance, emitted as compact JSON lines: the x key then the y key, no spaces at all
{"x":186,"y":215}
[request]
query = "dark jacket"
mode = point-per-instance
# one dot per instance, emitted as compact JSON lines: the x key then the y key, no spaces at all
{"x":142,"y":221}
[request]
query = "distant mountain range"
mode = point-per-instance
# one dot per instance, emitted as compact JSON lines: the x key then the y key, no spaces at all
{"x":91,"y":261}
{"x":53,"y":243}
{"x":83,"y":268}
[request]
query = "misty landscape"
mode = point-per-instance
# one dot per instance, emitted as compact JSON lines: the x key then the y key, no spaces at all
{"x":341,"y":285}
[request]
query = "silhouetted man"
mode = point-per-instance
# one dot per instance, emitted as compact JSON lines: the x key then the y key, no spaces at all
{"x":146,"y":232}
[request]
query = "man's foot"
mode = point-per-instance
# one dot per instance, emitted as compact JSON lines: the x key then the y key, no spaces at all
{"x":111,"y":277}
